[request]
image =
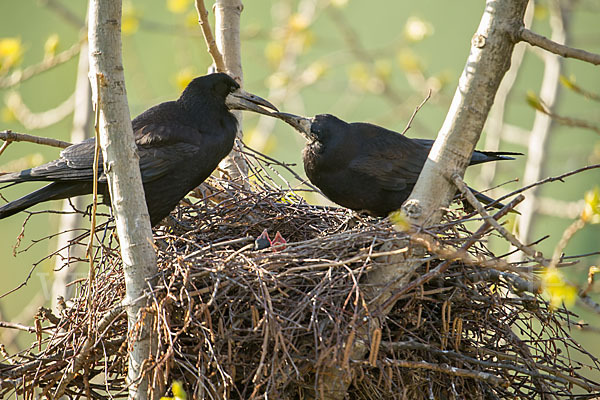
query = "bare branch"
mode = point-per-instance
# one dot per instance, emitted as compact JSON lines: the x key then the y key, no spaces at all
{"x":69,"y":223}
{"x":21,"y":327}
{"x":48,"y":63}
{"x":460,"y":184}
{"x":412,"y":117}
{"x":208,"y":36}
{"x":560,"y":177}
{"x":10,"y":136}
{"x":565,"y":51}
{"x":83,"y":357}
{"x":4,"y":146}
{"x":571,"y":85}
{"x":538,"y":138}
{"x":446,"y":369}
{"x":566,"y":121}
{"x":32,"y":120}
{"x":577,"y":225}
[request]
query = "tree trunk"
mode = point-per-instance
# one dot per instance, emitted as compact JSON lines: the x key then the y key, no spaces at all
{"x":489,"y":59}
{"x":124,"y":179}
{"x":227,"y":32}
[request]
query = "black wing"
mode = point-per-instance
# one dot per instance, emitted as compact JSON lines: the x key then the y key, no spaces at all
{"x":157,"y":150}
{"x":393,"y":160}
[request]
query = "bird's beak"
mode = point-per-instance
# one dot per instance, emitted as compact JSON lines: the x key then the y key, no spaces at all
{"x":242,"y":100}
{"x":301,"y":124}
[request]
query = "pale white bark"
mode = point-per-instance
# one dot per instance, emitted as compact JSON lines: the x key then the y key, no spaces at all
{"x":227,"y":30}
{"x":126,"y":190}
{"x":489,"y":59}
{"x":82,"y":117}
{"x":542,"y":125}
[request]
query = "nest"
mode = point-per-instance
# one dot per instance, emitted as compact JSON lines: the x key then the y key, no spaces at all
{"x":288,"y":322}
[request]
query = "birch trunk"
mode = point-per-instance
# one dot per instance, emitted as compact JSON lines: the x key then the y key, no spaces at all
{"x":227,"y":32}
{"x":126,"y":190}
{"x":489,"y":59}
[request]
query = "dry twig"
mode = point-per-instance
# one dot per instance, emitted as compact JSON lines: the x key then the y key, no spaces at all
{"x":540,"y":41}
{"x":10,"y":136}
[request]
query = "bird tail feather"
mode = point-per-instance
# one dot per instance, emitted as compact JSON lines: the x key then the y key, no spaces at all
{"x":53,"y":191}
{"x":486,"y":156}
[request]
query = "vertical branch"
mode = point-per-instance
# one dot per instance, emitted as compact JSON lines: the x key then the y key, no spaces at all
{"x":70,"y":222}
{"x":495,"y":123}
{"x":227,"y":27}
{"x":538,"y":139}
{"x":125,"y":184}
{"x":213,"y":50}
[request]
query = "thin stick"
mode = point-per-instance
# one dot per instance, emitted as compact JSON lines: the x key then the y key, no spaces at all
{"x":565,"y":51}
{"x":21,"y":327}
{"x":209,"y":37}
{"x":416,"y":111}
{"x":464,"y":189}
{"x":577,"y":225}
{"x":550,"y":179}
{"x":4,"y":146}
{"x":446,"y":369}
{"x":90,"y":246}
{"x":442,"y":267}
{"x":83,"y":357}
{"x":10,"y":136}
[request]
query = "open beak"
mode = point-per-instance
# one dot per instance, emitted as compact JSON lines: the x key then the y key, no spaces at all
{"x":242,"y":100}
{"x":301,"y":124}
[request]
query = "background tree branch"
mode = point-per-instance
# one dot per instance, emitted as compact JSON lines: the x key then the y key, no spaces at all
{"x":542,"y":125}
{"x":555,"y":47}
{"x":70,"y":222}
{"x":209,"y":38}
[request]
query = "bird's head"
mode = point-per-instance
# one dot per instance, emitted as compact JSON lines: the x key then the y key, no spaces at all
{"x":322,"y":127}
{"x":223,"y":89}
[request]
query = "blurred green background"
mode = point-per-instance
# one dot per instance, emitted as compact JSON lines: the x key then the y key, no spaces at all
{"x":362,"y":61}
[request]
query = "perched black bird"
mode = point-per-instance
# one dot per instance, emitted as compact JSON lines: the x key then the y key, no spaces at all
{"x":179,"y":144}
{"x":365,"y":167}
